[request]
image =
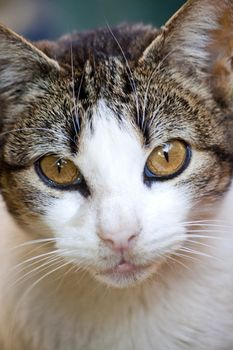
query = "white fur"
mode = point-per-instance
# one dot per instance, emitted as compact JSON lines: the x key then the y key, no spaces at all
{"x":177,"y":308}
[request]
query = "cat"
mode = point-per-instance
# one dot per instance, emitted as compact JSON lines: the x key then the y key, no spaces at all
{"x":116,"y":162}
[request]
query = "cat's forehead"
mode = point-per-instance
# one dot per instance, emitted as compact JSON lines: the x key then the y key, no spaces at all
{"x":152,"y":102}
{"x":153,"y":113}
{"x":145,"y":99}
{"x":110,"y":148}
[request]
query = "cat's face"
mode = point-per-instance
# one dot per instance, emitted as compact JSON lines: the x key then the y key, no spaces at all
{"x":115,"y":169}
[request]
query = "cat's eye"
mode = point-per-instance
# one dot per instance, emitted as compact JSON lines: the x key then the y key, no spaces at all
{"x":167,"y":161}
{"x":59,"y":171}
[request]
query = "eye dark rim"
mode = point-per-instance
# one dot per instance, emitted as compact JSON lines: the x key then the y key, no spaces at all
{"x":150,"y":177}
{"x":79,"y":185}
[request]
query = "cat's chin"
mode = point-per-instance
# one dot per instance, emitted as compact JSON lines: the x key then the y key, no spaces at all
{"x":126,"y":275}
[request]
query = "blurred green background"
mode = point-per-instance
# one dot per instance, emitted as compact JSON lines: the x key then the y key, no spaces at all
{"x":50,"y":18}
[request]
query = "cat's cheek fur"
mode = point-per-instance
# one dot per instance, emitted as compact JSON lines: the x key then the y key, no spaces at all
{"x":164,"y":212}
{"x":71,"y":222}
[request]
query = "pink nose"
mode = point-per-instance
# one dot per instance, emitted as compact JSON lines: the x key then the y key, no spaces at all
{"x":118,"y":241}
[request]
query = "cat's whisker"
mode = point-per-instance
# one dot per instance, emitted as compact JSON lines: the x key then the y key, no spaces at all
{"x":212,"y":231}
{"x":35,"y":241}
{"x":196,"y":252}
{"x":46,"y":275}
{"x":204,"y":221}
{"x":206,"y":224}
{"x":43,"y":267}
{"x":187,"y":257}
{"x":190,"y":235}
{"x":200,"y":243}
{"x":30,"y":270}
{"x":30,"y":253}
{"x":43,"y":244}
{"x":36,"y":259}
{"x":31,"y":273}
{"x":177,"y":261}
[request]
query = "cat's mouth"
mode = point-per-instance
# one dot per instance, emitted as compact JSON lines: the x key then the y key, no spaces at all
{"x":124,"y":268}
{"x":125,"y":274}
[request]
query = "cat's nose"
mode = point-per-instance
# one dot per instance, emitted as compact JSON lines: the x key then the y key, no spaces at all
{"x":120,"y":241}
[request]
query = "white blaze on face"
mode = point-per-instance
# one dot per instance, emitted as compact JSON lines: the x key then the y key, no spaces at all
{"x":112,"y":159}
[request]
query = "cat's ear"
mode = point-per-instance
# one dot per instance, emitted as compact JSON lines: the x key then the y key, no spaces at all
{"x":21,"y":66}
{"x":198,"y":41}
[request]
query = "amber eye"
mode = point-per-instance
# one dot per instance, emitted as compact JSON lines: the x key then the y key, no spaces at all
{"x":59,"y":171}
{"x":168,"y":160}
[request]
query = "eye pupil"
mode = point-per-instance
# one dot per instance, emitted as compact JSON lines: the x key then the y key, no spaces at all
{"x":59,"y":166}
{"x":166,"y":156}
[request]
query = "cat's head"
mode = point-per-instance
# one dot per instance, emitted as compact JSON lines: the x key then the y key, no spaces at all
{"x":114,"y":155}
